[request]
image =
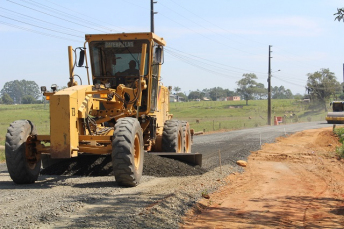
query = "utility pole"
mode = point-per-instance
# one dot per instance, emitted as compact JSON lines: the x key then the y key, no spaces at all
{"x":269,"y":87}
{"x":152,"y":15}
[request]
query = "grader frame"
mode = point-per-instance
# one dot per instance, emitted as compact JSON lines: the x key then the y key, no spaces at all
{"x":121,"y":112}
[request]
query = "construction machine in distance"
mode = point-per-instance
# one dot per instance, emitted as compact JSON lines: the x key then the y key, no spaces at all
{"x":337,"y":114}
{"x":122,"y":111}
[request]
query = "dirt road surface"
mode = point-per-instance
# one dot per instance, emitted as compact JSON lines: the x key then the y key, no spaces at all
{"x":86,"y":195}
{"x":296,"y":182}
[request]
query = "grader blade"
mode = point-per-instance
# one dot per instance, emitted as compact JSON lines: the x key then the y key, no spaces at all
{"x":190,"y":158}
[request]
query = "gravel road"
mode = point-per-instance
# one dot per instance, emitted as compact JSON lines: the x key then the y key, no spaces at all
{"x":86,"y":195}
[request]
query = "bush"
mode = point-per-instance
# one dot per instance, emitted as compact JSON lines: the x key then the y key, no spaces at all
{"x":28,"y":99}
{"x":6,"y":99}
{"x":340,"y":133}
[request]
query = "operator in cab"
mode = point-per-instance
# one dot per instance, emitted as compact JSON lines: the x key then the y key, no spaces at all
{"x":132,"y":71}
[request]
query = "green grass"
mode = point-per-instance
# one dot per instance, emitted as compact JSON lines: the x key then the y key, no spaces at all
{"x":231,"y":115}
{"x":2,"y":155}
{"x":212,"y":115}
{"x":36,"y":113}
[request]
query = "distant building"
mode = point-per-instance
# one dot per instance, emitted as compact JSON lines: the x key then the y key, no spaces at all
{"x":176,"y":98}
{"x":221,"y":99}
{"x":233,"y":98}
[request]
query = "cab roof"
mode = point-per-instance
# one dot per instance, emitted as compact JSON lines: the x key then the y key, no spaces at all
{"x":125,"y":36}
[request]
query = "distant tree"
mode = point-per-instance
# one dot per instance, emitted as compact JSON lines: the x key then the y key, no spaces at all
{"x":195,"y":95}
{"x":321,"y":85}
{"x":18,"y":89}
{"x":281,"y":93}
{"x":340,"y":14}
{"x":217,"y":92}
{"x":28,"y":99}
{"x":6,"y":99}
{"x":229,"y":92}
{"x":341,"y":96}
{"x":260,"y":91}
{"x":298,"y":96}
{"x":248,"y":87}
{"x":182,"y":95}
{"x":176,"y":89}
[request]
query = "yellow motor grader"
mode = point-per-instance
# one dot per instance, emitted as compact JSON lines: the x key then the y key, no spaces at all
{"x":122,"y":111}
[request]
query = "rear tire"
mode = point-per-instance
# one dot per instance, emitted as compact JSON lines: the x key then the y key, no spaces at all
{"x":172,"y":137}
{"x":127,"y":152}
{"x":22,"y":160}
{"x":186,"y":136}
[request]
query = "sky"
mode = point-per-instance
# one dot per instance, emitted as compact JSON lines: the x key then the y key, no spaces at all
{"x":208,"y":43}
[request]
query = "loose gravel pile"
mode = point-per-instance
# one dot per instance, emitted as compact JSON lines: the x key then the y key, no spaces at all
{"x":93,"y":165}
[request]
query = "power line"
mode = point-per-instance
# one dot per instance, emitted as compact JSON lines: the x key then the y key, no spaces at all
{"x":51,"y":9}
{"x":40,"y":26}
{"x":202,"y":25}
{"x":195,"y":60}
{"x":188,"y":28}
{"x":219,"y":65}
{"x":214,"y":24}
{"x":35,"y":31}
{"x":41,"y":20}
{"x":223,"y":29}
{"x":54,"y":16}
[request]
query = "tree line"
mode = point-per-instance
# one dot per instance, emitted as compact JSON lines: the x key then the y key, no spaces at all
{"x":320,"y":87}
{"x":20,"y":92}
{"x":248,"y":89}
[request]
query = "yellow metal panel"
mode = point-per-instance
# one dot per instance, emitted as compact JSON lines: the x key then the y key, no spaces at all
{"x":60,"y":136}
{"x":64,"y":128}
{"x":125,"y":36}
{"x":334,"y":118}
{"x":163,"y":102}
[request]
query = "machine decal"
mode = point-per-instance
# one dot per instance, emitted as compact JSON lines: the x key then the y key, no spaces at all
{"x":119,"y":44}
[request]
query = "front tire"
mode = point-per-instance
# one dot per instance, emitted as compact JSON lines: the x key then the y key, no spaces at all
{"x":22,"y":160}
{"x":172,"y":137}
{"x":127,"y":152}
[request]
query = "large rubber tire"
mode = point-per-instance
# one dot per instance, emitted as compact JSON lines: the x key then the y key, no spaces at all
{"x":186,"y":136}
{"x":172,"y":137}
{"x":23,"y":170}
{"x":127,"y":152}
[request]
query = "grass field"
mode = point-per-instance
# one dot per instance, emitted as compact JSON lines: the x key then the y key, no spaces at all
{"x":232,"y":115}
{"x":203,"y":116}
{"x":36,"y":113}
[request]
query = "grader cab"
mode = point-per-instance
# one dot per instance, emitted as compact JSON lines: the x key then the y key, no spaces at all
{"x":122,"y":111}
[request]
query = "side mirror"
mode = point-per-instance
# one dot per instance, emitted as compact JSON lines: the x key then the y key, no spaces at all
{"x":43,"y":89}
{"x":81,"y":58}
{"x":159,"y":54}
